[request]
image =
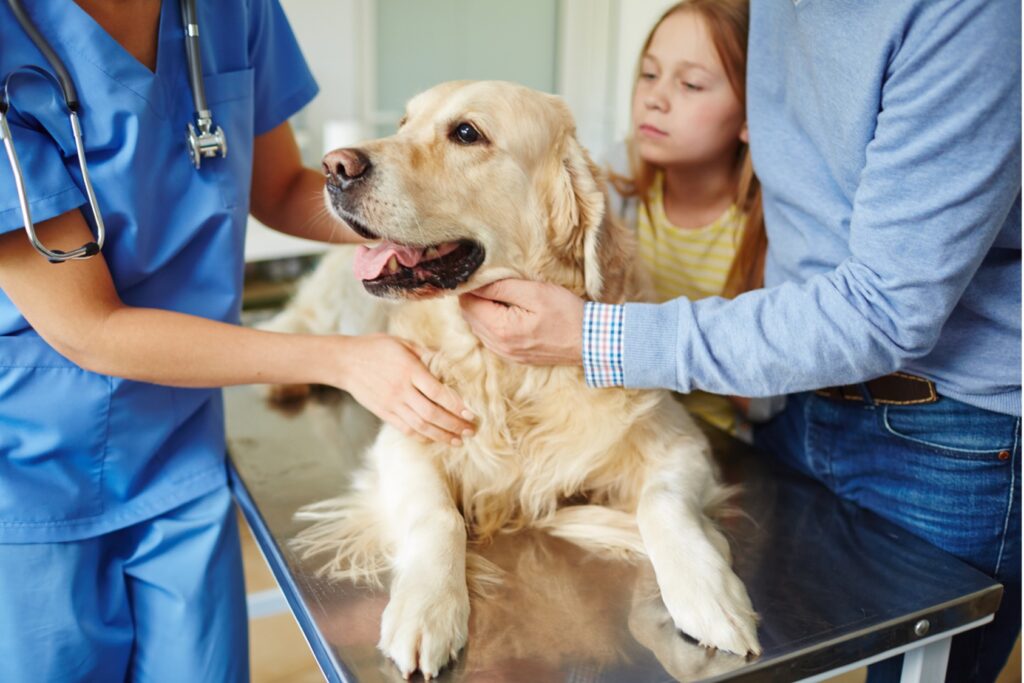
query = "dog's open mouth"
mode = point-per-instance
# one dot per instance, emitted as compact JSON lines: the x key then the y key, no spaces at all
{"x":392,"y":269}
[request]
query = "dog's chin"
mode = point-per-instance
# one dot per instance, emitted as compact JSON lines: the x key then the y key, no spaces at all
{"x":337,"y":209}
{"x":430,"y":278}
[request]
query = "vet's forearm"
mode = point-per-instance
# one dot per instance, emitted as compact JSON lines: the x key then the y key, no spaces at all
{"x":175,"y":349}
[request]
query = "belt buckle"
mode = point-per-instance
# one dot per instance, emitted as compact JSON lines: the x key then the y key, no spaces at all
{"x":923,"y":383}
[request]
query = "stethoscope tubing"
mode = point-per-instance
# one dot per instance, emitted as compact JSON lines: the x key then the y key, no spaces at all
{"x":67,"y":86}
{"x":207,"y":142}
{"x":195,"y":63}
{"x":55,"y":255}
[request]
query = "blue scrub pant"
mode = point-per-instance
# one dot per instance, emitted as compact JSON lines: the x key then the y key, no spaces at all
{"x":947,"y":472}
{"x":163,"y":600}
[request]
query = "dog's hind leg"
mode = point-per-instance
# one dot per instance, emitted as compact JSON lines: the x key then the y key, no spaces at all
{"x":426,"y":621}
{"x":704,"y":596}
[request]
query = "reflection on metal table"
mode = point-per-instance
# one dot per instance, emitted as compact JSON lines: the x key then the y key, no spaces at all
{"x":836,"y":587}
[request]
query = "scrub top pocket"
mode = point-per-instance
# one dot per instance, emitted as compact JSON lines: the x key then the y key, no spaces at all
{"x":53,"y":429}
{"x":229,"y":96}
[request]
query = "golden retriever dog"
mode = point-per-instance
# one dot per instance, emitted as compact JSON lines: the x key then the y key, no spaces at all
{"x":483,"y":181}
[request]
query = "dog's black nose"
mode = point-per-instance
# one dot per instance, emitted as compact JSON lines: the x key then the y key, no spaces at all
{"x":345,"y":166}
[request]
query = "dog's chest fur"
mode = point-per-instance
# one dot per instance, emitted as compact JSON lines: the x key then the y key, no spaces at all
{"x":543,"y":436}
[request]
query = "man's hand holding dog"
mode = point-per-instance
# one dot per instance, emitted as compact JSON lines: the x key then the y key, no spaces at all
{"x":527,"y":322}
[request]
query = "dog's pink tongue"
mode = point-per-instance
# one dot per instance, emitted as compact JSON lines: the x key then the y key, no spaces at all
{"x":370,"y":263}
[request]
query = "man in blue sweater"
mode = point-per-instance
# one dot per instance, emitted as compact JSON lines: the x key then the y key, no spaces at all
{"x":887,"y":139}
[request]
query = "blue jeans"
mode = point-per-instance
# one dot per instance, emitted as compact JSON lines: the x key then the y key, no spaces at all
{"x":946,"y":471}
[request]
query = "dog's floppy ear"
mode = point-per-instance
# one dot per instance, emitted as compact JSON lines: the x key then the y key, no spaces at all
{"x":583,"y":232}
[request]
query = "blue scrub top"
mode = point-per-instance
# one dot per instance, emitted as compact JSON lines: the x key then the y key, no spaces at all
{"x":83,"y":454}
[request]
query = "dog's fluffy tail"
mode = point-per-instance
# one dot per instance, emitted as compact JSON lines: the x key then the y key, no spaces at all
{"x":597,"y":529}
{"x":348,"y":533}
{"x":607,"y":531}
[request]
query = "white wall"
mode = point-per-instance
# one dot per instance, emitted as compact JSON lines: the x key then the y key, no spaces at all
{"x":585,"y":72}
{"x":329,"y":33}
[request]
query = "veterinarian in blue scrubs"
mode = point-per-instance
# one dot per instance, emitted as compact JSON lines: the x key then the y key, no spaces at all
{"x":119,"y":554}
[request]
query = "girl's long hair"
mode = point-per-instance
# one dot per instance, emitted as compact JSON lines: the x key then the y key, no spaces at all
{"x":727,"y":22}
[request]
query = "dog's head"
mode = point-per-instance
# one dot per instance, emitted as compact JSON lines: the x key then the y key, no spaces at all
{"x":483,"y":180}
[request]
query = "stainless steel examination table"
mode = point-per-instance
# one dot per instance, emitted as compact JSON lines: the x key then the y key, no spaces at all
{"x":836,"y":587}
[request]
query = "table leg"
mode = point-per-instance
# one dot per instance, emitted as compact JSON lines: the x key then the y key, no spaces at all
{"x":926,"y":664}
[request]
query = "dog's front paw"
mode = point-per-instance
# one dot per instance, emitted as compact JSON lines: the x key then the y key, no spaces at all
{"x":715,"y":610}
{"x":424,"y":629}
{"x":652,"y":626}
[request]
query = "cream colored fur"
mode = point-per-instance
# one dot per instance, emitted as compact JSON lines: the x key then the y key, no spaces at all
{"x":531,"y":196}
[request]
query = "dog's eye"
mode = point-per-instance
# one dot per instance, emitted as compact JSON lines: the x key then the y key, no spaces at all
{"x":466,"y":133}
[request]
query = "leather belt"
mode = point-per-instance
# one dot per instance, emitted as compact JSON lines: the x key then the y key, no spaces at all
{"x":898,"y":389}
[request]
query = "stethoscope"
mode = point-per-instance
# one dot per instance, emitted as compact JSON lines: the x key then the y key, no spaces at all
{"x":206,"y":142}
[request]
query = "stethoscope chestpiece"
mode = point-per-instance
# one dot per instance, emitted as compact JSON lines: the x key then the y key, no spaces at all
{"x":209,"y":141}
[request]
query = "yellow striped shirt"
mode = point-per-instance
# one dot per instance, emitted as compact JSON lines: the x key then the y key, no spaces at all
{"x":693,"y":263}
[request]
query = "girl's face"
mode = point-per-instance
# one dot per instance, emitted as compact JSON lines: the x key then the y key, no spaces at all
{"x":684,"y":110}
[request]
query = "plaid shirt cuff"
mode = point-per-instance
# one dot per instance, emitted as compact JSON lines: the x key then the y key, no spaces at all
{"x":602,"y":344}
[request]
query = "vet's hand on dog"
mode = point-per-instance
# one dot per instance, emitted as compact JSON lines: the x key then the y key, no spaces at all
{"x":537,"y":323}
{"x":387,"y":376}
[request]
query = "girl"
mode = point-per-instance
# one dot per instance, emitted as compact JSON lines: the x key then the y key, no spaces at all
{"x":690,"y":187}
